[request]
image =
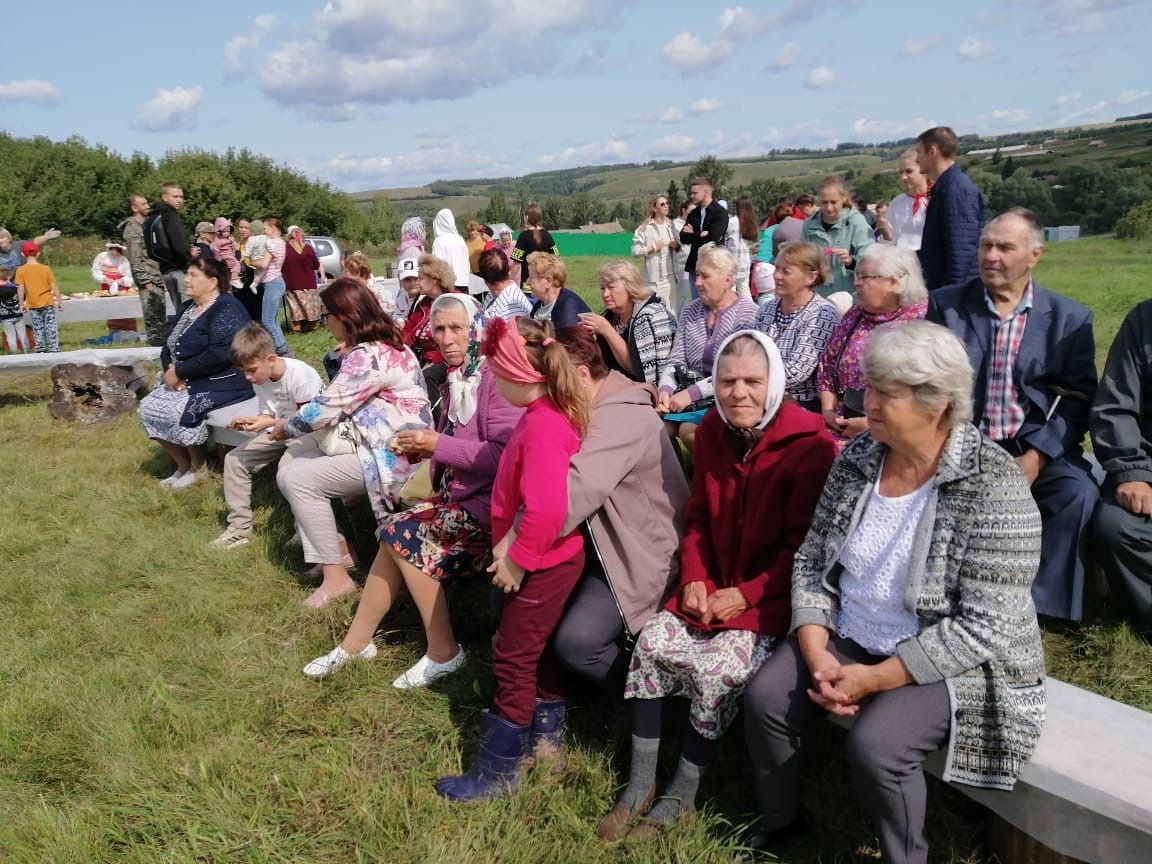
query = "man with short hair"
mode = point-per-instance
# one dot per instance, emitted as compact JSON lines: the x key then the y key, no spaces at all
{"x":179,"y":246}
{"x":955,"y":215}
{"x":707,"y":222}
{"x":1033,"y":354}
{"x":145,"y":272}
{"x":1122,"y":440}
{"x":904,"y":222}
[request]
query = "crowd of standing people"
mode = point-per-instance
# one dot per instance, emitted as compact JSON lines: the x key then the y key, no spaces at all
{"x":857,"y":494}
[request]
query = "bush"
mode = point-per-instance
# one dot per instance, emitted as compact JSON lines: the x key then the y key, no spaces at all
{"x":1136,"y":224}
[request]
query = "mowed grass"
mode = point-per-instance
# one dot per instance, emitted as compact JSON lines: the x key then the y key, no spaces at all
{"x":152,"y":708}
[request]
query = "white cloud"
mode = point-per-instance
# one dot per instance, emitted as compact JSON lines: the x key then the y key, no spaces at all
{"x":784,"y":58}
{"x":612,"y":150}
{"x":1007,"y":116}
{"x":674,"y":145}
{"x":459,"y":159}
{"x":1066,"y":99}
{"x":887,"y":130}
{"x":378,"y":52}
{"x":973,"y":49}
{"x":916,"y":47}
{"x":705,"y":106}
{"x":672,"y":114}
{"x":821,"y":78}
{"x":170,"y":109}
{"x":687,"y":52}
{"x":31,"y":90}
{"x":1071,"y":18}
{"x":237,"y":51}
{"x":1130,"y":96}
{"x":740,"y":23}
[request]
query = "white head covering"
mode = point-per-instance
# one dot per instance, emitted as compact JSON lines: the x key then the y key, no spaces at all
{"x":775,"y":375}
{"x":463,"y":380}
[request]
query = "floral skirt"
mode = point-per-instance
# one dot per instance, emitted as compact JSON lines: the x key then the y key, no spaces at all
{"x":160,"y":413}
{"x":439,"y":538}
{"x":304,"y":305}
{"x":710,"y":668}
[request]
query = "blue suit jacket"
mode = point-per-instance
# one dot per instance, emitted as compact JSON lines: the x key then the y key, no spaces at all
{"x":1057,"y":353}
{"x":952,"y":226}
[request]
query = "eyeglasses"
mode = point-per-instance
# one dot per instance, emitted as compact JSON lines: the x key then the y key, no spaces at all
{"x":860,"y":277}
{"x":324,"y":316}
{"x":661,"y":203}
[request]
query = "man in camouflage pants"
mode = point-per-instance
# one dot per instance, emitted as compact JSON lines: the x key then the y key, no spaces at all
{"x":145,"y":272}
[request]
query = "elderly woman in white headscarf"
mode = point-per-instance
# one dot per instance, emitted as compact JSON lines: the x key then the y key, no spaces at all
{"x":448,"y":536}
{"x":760,"y":464}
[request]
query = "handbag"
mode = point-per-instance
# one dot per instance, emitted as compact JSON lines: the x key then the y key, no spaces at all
{"x":339,"y":439}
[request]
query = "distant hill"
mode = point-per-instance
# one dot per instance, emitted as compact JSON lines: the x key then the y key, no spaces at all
{"x":1125,"y":143}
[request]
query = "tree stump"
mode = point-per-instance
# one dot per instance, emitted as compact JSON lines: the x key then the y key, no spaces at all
{"x":90,"y":393}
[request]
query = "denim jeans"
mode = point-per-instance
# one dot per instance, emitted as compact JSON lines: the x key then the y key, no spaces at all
{"x":270,"y":312}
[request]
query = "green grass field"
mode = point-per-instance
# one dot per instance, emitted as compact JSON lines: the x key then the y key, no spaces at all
{"x":152,"y":708}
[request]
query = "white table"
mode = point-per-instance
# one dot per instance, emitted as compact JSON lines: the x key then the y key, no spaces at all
{"x":100,"y":309}
{"x":24,"y":364}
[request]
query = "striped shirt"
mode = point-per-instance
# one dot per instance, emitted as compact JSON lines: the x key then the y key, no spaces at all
{"x":694,"y":347}
{"x":1003,"y":408}
{"x":508,"y":304}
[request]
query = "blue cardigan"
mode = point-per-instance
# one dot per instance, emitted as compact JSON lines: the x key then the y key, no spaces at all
{"x":566,"y":311}
{"x":952,"y":226}
{"x":202,"y":359}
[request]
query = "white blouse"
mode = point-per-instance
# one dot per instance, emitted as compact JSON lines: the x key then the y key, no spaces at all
{"x":876,"y":564}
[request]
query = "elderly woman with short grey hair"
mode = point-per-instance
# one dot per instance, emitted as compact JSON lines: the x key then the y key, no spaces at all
{"x":911,"y":606}
{"x":636,"y":328}
{"x":890,"y":290}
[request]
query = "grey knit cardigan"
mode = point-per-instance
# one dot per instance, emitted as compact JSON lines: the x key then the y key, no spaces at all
{"x":974,"y":556}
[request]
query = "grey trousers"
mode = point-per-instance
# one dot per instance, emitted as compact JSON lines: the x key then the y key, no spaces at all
{"x":893,"y":734}
{"x":589,"y":640}
{"x":239,"y":466}
{"x":174,"y":284}
{"x":1123,"y":545}
{"x":309,"y":479}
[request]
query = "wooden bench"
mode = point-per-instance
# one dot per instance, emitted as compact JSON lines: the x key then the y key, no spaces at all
{"x":1086,"y":793}
{"x":219,"y":428}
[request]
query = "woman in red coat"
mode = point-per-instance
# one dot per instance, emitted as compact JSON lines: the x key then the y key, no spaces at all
{"x":760,"y":464}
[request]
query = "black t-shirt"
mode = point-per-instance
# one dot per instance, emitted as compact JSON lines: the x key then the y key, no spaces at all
{"x":527,"y":243}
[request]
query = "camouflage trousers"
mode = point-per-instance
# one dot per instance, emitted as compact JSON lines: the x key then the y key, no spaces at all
{"x":155,"y":313}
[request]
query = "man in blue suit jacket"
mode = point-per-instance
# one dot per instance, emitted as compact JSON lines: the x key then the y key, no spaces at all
{"x":955,"y":215}
{"x":1034,"y":356}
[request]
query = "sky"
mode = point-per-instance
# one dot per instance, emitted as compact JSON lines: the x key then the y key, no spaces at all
{"x":367,"y":94}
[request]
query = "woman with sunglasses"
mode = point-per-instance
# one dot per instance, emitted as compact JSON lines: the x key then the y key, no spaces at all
{"x":656,"y":240}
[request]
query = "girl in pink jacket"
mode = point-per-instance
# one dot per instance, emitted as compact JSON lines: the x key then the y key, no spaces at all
{"x":534,"y":564}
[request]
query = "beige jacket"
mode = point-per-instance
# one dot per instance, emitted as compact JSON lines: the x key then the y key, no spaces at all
{"x":628,"y":485}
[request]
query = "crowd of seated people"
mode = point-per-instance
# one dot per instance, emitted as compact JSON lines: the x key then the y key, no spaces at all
{"x":877,"y":513}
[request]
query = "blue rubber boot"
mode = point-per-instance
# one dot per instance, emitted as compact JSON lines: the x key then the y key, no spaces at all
{"x":546,"y":740}
{"x":497,"y":767}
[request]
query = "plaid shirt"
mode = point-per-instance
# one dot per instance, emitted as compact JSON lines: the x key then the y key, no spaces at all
{"x":1003,"y":410}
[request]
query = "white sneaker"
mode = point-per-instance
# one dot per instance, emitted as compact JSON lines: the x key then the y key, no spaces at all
{"x":230,"y":539}
{"x":324,"y":666}
{"x":172,"y":478}
{"x":426,"y":671}
{"x":188,"y":478}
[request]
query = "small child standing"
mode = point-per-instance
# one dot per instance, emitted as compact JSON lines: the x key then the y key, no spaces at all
{"x":36,"y":286}
{"x":533,"y":564}
{"x":11,"y":317}
{"x":282,"y":385}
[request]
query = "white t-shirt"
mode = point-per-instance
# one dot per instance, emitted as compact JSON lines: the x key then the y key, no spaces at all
{"x":876,"y":562}
{"x":297,"y":386}
{"x":907,"y":227}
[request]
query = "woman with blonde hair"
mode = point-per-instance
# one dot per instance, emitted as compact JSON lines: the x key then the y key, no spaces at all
{"x":636,"y":328}
{"x":838,"y":228}
{"x":655,"y":239}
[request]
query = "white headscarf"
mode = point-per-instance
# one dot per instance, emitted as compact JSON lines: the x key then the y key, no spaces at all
{"x":775,"y":376}
{"x":463,"y":380}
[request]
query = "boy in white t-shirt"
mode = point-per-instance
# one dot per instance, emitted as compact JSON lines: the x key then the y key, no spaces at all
{"x":282,"y":385}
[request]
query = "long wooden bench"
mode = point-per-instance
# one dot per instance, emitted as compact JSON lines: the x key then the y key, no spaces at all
{"x":1086,"y":794}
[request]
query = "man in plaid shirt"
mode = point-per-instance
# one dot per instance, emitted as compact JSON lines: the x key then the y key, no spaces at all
{"x":1034,"y":356}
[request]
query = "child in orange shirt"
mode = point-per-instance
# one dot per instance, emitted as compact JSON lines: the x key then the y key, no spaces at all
{"x":40,"y":297}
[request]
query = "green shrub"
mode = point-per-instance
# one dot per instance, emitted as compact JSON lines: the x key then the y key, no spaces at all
{"x":1136,"y":223}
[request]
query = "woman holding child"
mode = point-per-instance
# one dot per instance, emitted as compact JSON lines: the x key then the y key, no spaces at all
{"x":377,"y":393}
{"x":198,"y":373}
{"x":447,"y":537}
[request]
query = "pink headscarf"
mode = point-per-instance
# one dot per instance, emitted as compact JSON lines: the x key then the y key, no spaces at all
{"x":507,"y":357}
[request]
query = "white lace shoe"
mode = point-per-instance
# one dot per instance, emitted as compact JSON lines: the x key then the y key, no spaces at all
{"x":188,"y":478}
{"x":172,"y":478}
{"x":426,"y":671}
{"x":230,"y":539}
{"x":324,"y":666}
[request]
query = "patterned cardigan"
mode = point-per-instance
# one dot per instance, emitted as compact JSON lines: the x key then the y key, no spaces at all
{"x":974,"y":557}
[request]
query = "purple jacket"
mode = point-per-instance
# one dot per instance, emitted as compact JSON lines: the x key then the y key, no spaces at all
{"x":473,"y":449}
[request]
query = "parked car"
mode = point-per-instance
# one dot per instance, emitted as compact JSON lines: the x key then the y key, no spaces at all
{"x":328,"y":251}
